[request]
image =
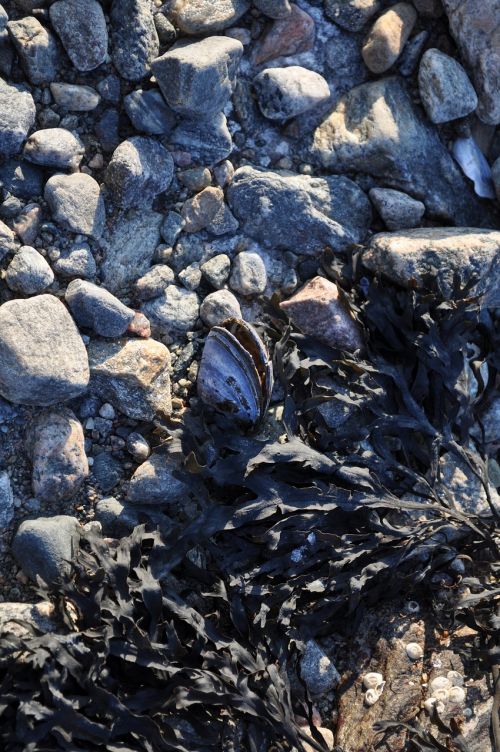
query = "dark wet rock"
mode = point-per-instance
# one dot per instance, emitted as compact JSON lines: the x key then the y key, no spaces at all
{"x":376,"y":129}
{"x":42,"y":356}
{"x":17,"y":116}
{"x":445,"y":88}
{"x":96,"y":308}
{"x":81,"y":27}
{"x":298,"y":212}
{"x":28,"y":272}
{"x":160,"y":480}
{"x":37,"y":49}
{"x":197,"y":77}
{"x":207,"y":140}
{"x":287,"y":92}
{"x":57,"y":452}
{"x":133,"y":375}
{"x":139,"y":170}
{"x":148,"y":112}
{"x":130,"y":247}
{"x":134,"y":38}
{"x":410,"y":256}
{"x":46,"y":547}
{"x":118,"y":519}
{"x":54,"y":147}
{"x":76,"y":203}
{"x":206,"y":16}
{"x":107,"y":130}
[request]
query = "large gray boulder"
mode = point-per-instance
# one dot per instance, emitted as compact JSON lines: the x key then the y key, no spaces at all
{"x":376,"y":129}
{"x":42,"y":356}
{"x":298,"y":212}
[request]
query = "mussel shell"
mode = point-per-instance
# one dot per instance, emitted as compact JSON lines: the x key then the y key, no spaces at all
{"x":235,"y":373}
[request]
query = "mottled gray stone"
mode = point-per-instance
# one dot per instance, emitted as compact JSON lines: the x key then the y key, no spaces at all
{"x":218,"y":306}
{"x":75,"y":97}
{"x":139,"y":170}
{"x":376,"y":129}
{"x":37,"y":49}
{"x":352,"y":15}
{"x":28,"y":272}
{"x":206,"y":16}
{"x":81,"y":27}
{"x":42,"y":356}
{"x":248,"y":274}
{"x":96,"y":308}
{"x":287,"y":92}
{"x":76,"y":261}
{"x":154,"y":282}
{"x":107,"y":470}
{"x":317,"y":670}
{"x":274,"y":8}
{"x":8,"y":241}
{"x":298,"y":212}
{"x":171,"y":227}
{"x":21,"y":179}
{"x":56,"y":447}
{"x":133,"y":375}
{"x":134,"y":38}
{"x":197,"y":78}
{"x":159,"y":480}
{"x":130,"y":247}
{"x":17,"y":116}
{"x":76,"y":203}
{"x":398,"y":210}
{"x":148,"y":112}
{"x":173,"y":313}
{"x":54,"y":147}
{"x":207,"y":140}
{"x":445,"y":89}
{"x":216,"y":270}
{"x":408,"y":257}
{"x":46,"y":547}
{"x":6,"y":501}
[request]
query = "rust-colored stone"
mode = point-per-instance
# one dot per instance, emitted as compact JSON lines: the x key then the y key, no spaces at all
{"x":286,"y":36}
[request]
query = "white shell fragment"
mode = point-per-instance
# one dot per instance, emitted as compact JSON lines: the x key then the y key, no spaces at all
{"x":474,"y":165}
{"x":455,"y":678}
{"x":456,"y":695}
{"x":441,"y":694}
{"x":439,"y":682}
{"x":432,"y":703}
{"x":372,"y":696}
{"x":414,"y":651}
{"x":372,"y":680}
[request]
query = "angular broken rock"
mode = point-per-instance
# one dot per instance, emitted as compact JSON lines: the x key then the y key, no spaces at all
{"x":445,"y":89}
{"x":134,"y":38}
{"x":139,"y":170}
{"x":287,"y":36}
{"x":375,"y":128}
{"x":129,"y":247}
{"x":133,"y":375}
{"x":42,"y":356}
{"x":158,"y":481}
{"x":81,"y":27}
{"x":317,"y":309}
{"x":476,"y":29}
{"x":409,"y":257}
{"x":57,"y":450}
{"x":298,"y":212}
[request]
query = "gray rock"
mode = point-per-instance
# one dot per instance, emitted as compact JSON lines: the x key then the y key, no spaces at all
{"x":28,"y":272}
{"x":54,"y":147}
{"x":317,"y":670}
{"x":173,"y":313}
{"x":171,"y":227}
{"x":76,"y":262}
{"x":248,"y":274}
{"x":388,"y":36}
{"x":56,"y":447}
{"x":8,"y":242}
{"x":43,"y":360}
{"x":109,"y":89}
{"x":154,"y":282}
{"x":218,"y":306}
{"x":134,"y":38}
{"x":197,"y":78}
{"x":274,"y":8}
{"x":139,"y":170}
{"x":352,"y":15}
{"x":148,"y":112}
{"x":376,"y":129}
{"x":21,"y":179}
{"x":46,"y":547}
{"x":216,"y":270}
{"x":96,"y":308}
{"x":27,"y":223}
{"x":409,"y":257}
{"x":81,"y":27}
{"x":76,"y":203}
{"x":287,"y":92}
{"x":133,"y":375}
{"x":462,"y":488}
{"x":37,"y":49}
{"x":6,"y":501}
{"x":4,"y":17}
{"x":138,"y":446}
{"x":207,"y":16}
{"x":398,"y":210}
{"x":208,"y":211}
{"x":474,"y":25}
{"x":17,"y":116}
{"x":411,"y":54}
{"x":159,"y":480}
{"x":343,"y":58}
{"x":74,"y":97}
{"x":165,"y":30}
{"x":298,"y":212}
{"x":445,"y":89}
{"x":107,"y":470}
{"x":190,"y":277}
{"x":207,"y":140}
{"x":130,"y":248}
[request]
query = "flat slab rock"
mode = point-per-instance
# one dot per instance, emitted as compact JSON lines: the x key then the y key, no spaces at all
{"x":408,"y":257}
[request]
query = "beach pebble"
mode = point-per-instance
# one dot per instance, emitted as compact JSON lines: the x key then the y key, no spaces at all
{"x":154,"y":282}
{"x":216,"y":270}
{"x":138,"y":447}
{"x":317,"y":670}
{"x":76,"y":203}
{"x":17,"y":115}
{"x":54,"y":147}
{"x":218,"y":306}
{"x":398,"y":210}
{"x":27,"y":223}
{"x":287,"y":92}
{"x":148,"y":112}
{"x":445,"y":89}
{"x":45,"y":547}
{"x":97,"y":309}
{"x":139,"y":170}
{"x":81,"y":27}
{"x":173,"y":313}
{"x":248,"y":274}
{"x":28,"y":272}
{"x":37,"y":49}
{"x":134,"y":40}
{"x":388,"y":36}
{"x":75,"y":97}
{"x":76,"y":261}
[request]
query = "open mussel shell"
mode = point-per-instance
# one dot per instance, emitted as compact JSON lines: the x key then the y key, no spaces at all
{"x":235,"y":375}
